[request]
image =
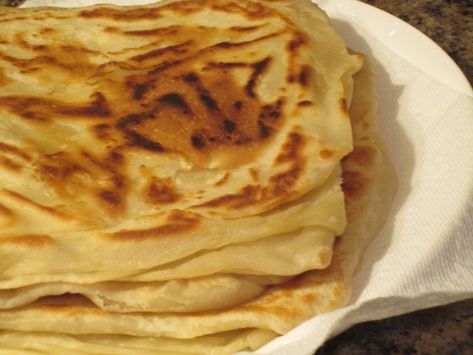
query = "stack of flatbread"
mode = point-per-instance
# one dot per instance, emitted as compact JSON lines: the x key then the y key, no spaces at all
{"x":175,"y":178}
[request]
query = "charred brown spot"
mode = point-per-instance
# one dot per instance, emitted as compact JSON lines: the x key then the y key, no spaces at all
{"x":284,"y":181}
{"x":238,"y":105}
{"x":156,"y":53}
{"x":177,"y":101}
{"x":229,"y":126}
{"x":292,"y":148}
{"x":102,"y":131}
{"x":190,"y":77}
{"x":245,"y":197}
{"x":254,"y":174}
{"x":57,"y":168}
{"x":140,"y":89}
{"x":297,"y":42}
{"x":226,"y":65}
{"x":245,"y":29}
{"x":126,"y":124}
{"x":305,"y":103}
{"x":197,"y":142}
{"x":258,"y":69}
{"x":110,"y":197}
{"x":264,"y":130}
{"x":161,"y":192}
{"x":209,"y":102}
{"x":362,"y":155}
{"x":115,"y":157}
{"x":177,"y":223}
{"x":305,"y":75}
{"x":271,"y":112}
{"x":144,"y":142}
{"x":160,"y":31}
{"x":354,"y":184}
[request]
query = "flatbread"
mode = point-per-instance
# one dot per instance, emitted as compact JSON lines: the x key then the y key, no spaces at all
{"x":160,"y":157}
{"x":369,"y":186}
{"x":122,"y":153}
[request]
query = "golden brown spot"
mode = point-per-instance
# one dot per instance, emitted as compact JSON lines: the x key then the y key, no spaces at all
{"x":362,"y":155}
{"x":58,"y":170}
{"x":245,"y":197}
{"x":110,"y":197}
{"x":144,"y":13}
{"x":7,"y":213}
{"x":305,"y":103}
{"x":68,"y":305}
{"x":47,"y":31}
{"x":291,"y":149}
{"x":177,"y":223}
{"x":160,"y":31}
{"x":254,"y":174}
{"x":10,"y":149}
{"x":223,"y":180}
{"x":284,"y":181}
{"x":250,"y":10}
{"x":327,"y":154}
{"x":343,"y":106}
{"x":309,"y":299}
{"x":4,"y":80}
{"x":10,"y":164}
{"x":103,"y":131}
{"x":41,"y":109}
{"x":354,"y":184}
{"x":156,"y":53}
{"x":160,"y":192}
{"x":28,"y":240}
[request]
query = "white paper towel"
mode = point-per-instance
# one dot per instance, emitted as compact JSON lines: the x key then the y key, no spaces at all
{"x":422,"y":257}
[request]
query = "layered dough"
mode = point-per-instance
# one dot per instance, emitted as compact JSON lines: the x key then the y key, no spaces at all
{"x":171,"y":175}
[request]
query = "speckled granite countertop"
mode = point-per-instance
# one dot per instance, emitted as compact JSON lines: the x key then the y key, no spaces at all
{"x":441,"y":330}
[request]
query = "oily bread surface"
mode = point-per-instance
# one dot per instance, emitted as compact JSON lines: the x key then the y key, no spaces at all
{"x":121,"y":152}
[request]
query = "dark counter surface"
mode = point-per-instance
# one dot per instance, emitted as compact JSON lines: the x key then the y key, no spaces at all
{"x":440,"y":330}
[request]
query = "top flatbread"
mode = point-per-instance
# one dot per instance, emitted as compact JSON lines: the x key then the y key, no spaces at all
{"x":135,"y":137}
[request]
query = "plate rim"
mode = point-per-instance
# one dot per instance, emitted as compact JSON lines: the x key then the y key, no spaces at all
{"x":418,"y":41}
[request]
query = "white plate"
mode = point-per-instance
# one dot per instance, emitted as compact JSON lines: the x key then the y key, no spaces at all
{"x":403,"y":39}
